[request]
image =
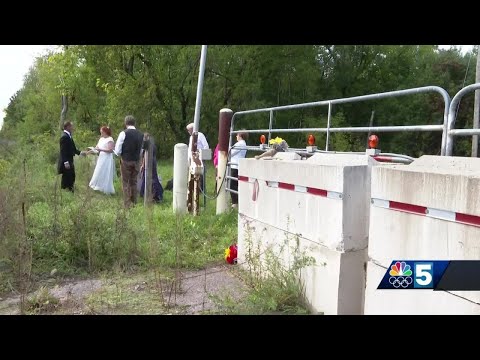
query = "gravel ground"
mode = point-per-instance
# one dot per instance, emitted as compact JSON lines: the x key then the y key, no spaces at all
{"x":192,"y":297}
{"x":196,"y":286}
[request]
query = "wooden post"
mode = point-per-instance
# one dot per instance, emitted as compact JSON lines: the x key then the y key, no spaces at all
{"x":224,"y":123}
{"x":193,"y":198}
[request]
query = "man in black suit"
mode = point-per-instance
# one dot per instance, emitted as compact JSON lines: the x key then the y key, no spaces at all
{"x":67,"y":152}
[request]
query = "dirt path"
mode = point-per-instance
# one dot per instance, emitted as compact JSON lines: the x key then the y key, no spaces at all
{"x":198,"y":287}
{"x":140,"y":293}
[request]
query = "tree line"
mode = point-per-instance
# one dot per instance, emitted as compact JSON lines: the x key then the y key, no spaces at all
{"x":98,"y":85}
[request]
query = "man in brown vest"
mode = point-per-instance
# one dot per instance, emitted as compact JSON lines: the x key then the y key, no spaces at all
{"x":129,"y":147}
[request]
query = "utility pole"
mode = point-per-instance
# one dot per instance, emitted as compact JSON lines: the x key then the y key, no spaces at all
{"x":194,"y":177}
{"x":476,"y":108}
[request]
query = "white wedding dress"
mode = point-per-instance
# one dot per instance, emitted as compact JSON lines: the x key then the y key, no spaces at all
{"x":102,"y":179}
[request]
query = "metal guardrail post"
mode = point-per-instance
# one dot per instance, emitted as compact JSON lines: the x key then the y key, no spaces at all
{"x":452,"y":117}
{"x":328,"y":124}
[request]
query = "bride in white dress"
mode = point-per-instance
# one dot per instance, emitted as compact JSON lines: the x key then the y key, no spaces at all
{"x":102,"y":179}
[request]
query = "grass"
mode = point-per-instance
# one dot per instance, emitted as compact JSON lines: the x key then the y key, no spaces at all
{"x":88,"y":232}
{"x":46,"y":231}
{"x":274,"y":286}
{"x":137,"y":294}
{"x":42,"y":302}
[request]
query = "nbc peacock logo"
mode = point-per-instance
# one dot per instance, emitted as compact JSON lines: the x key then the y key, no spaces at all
{"x":400,"y":275}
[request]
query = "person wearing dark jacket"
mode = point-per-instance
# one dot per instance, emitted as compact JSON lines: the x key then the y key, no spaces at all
{"x":65,"y":161}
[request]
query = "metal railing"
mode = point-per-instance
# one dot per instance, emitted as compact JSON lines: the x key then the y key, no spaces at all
{"x":452,"y":117}
{"x":328,"y":129}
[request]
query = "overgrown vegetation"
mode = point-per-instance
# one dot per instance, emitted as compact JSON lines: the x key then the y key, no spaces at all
{"x":46,"y":231}
{"x":137,"y":294}
{"x":42,"y":302}
{"x":275,"y":284}
{"x":88,"y":232}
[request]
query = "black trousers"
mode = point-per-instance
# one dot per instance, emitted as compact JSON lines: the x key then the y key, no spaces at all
{"x":234,"y":186}
{"x":68,"y":179}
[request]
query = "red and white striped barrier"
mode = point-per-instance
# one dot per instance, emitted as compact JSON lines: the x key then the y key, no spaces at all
{"x":461,"y":218}
{"x":392,"y":159}
{"x":296,"y":188}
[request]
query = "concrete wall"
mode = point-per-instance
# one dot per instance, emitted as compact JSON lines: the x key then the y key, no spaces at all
{"x":333,"y":230}
{"x":445,"y":183}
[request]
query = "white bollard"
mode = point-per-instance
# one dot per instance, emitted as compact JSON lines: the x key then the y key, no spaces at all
{"x":222,"y":199}
{"x":180,"y":178}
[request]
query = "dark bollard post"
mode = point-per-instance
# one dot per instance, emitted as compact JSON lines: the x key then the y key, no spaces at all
{"x":224,"y":123}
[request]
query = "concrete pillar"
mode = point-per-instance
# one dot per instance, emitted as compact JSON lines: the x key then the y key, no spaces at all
{"x":224,"y":124}
{"x":441,"y":188}
{"x":180,"y":178}
{"x":316,"y":208}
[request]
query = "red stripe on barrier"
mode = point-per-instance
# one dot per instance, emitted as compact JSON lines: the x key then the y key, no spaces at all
{"x":383,"y":158}
{"x":286,"y":186}
{"x":467,"y":219}
{"x":242,"y":178}
{"x":318,"y":192}
{"x":409,"y":208}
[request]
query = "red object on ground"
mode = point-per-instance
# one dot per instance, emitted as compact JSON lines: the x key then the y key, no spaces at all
{"x":231,"y":254}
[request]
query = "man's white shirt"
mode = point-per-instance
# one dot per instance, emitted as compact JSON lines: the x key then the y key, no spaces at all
{"x":201,"y":144}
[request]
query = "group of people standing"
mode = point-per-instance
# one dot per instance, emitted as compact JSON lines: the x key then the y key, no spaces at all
{"x":237,"y":152}
{"x":130,"y":147}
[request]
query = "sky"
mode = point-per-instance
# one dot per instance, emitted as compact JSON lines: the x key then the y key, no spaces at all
{"x":16,"y":60}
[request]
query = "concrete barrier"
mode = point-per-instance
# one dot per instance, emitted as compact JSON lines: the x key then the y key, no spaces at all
{"x":317,"y":207}
{"x":424,"y":211}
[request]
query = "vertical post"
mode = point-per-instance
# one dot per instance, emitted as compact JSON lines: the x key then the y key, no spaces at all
{"x":370,"y":125}
{"x":193,"y":179}
{"x":180,"y":178}
{"x":224,"y":135}
{"x":193,"y":193}
{"x":204,"y":188}
{"x":193,"y":183}
{"x":148,"y":162}
{"x":328,"y":124}
{"x":476,"y":108}
{"x":198,"y":104}
{"x":270,"y":124}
